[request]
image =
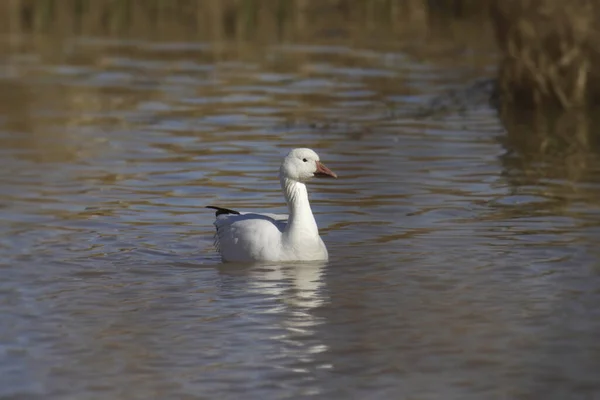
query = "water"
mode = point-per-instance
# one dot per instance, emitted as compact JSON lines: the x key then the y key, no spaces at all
{"x":464,"y":265}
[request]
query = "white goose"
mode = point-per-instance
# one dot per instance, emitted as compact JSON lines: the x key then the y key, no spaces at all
{"x":249,"y":237}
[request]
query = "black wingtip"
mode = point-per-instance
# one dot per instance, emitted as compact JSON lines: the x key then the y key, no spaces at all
{"x":221,"y":210}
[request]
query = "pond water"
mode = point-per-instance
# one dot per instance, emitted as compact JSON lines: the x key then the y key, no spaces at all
{"x":460,"y":268}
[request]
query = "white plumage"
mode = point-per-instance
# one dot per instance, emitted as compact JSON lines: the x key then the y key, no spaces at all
{"x":249,"y":237}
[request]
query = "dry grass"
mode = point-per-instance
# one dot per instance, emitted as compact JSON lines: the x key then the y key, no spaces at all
{"x":550,"y":49}
{"x":208,"y":19}
{"x":253,"y":20}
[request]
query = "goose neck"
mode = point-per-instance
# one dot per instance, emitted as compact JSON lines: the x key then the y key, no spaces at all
{"x":301,"y":218}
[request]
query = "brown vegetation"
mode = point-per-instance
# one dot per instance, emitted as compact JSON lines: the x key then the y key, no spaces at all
{"x":550,"y":49}
{"x":209,"y":19}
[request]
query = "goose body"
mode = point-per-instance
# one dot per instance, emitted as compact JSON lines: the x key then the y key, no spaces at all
{"x":251,"y":237}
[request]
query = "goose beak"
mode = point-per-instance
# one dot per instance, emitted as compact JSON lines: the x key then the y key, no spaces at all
{"x":324,"y":172}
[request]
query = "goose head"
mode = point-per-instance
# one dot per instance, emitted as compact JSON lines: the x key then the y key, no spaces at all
{"x":303,"y":164}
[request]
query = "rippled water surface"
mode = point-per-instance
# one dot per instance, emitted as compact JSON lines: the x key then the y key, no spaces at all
{"x":461,"y":267}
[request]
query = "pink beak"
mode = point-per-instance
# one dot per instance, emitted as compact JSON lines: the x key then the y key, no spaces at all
{"x":324,"y":172}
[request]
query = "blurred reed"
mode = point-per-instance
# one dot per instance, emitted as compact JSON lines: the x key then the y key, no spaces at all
{"x":215,"y":19}
{"x":550,"y":50}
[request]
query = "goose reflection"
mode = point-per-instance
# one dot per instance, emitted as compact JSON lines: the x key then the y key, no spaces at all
{"x":299,"y":289}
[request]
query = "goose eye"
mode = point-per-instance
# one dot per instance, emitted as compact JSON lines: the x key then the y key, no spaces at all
{"x":305,"y":160}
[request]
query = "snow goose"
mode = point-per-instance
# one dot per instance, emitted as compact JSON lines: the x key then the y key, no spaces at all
{"x":251,"y":237}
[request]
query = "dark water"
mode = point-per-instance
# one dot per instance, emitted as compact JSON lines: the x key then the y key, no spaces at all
{"x":460,"y":267}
